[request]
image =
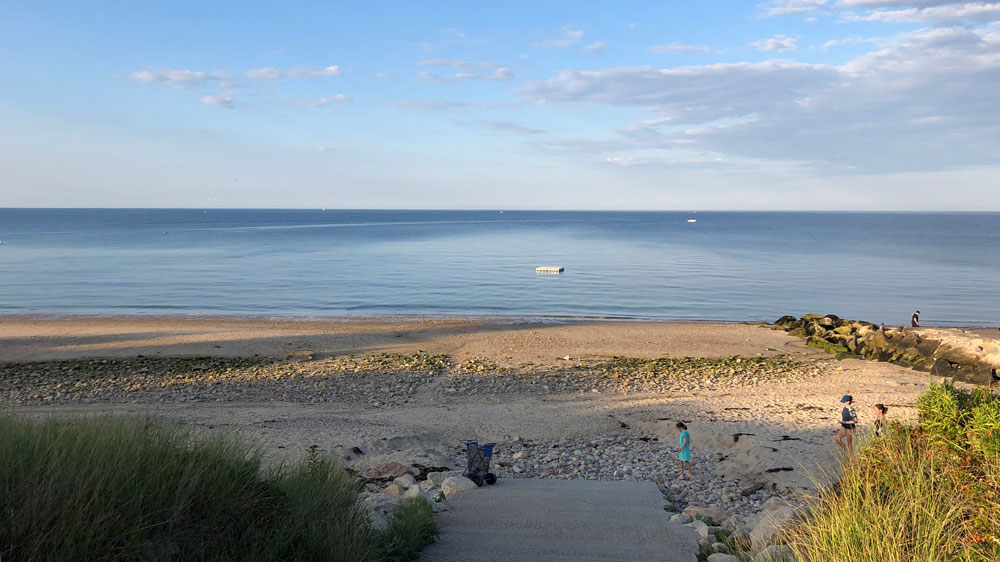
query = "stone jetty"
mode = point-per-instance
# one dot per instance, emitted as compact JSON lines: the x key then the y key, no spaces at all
{"x":962,"y":355}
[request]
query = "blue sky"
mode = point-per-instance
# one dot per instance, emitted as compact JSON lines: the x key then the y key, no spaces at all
{"x":790,"y":104}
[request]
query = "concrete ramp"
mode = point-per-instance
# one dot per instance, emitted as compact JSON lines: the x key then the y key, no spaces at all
{"x":560,"y":520}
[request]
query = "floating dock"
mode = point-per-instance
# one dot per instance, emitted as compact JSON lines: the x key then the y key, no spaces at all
{"x":549,"y":269}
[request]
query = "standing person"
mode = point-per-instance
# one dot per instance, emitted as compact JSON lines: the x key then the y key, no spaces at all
{"x":880,"y":411}
{"x":684,"y":453}
{"x":848,"y":422}
{"x":915,"y":320}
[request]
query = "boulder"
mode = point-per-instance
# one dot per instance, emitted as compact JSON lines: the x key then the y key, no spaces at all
{"x":379,"y":507}
{"x":775,"y":514}
{"x":699,"y":527}
{"x":680,"y":518}
{"x":786,"y":320}
{"x":387,"y":470}
{"x":960,"y":355}
{"x":975,"y":375}
{"x":696,"y":511}
{"x":405,"y":481}
{"x":457,"y":485}
{"x":775,"y":553}
{"x":438,"y":477}
{"x":944,"y":368}
{"x":417,"y":492}
{"x":928,"y":346}
{"x":720,"y":557}
{"x":392,"y":489}
{"x":740,"y":537}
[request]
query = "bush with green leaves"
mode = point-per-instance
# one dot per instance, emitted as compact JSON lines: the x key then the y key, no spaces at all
{"x":927,"y":492}
{"x":124,"y":489}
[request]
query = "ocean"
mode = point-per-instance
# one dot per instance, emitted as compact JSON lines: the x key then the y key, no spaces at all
{"x":726,"y":266}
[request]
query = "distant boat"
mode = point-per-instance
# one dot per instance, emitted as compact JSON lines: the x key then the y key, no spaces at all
{"x":549,"y":269}
{"x":692,"y":220}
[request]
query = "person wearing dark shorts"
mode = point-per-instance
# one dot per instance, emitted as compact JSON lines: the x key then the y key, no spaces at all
{"x":848,"y":422}
{"x":915,"y":320}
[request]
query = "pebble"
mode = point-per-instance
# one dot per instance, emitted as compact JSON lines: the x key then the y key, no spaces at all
{"x":622,"y":457}
{"x":380,"y":380}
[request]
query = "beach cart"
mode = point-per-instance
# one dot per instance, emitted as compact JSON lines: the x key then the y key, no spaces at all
{"x":478,"y":458}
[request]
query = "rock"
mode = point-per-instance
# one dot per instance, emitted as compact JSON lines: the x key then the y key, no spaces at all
{"x":944,"y":368}
{"x":773,"y":516}
{"x":438,"y":477}
{"x":405,"y":481}
{"x":427,"y":485}
{"x":680,"y":518}
{"x":418,"y":492}
{"x":379,"y":507}
{"x":720,"y":557}
{"x":741,"y":538}
{"x":775,"y":553}
{"x":392,"y":489}
{"x":718,"y":546}
{"x":714,"y":513}
{"x":387,"y":470}
{"x":699,"y":527}
{"x":456,"y":485}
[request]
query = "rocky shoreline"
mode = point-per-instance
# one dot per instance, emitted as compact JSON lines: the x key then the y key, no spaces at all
{"x":380,"y":380}
{"x":953,"y":353}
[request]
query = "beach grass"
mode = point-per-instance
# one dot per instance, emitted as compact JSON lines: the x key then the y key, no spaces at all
{"x":122,"y":489}
{"x":926,"y":492}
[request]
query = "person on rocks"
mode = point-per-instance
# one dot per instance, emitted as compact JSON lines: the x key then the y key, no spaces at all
{"x":915,"y":319}
{"x":880,"y":411}
{"x":684,"y":451}
{"x":848,"y":422}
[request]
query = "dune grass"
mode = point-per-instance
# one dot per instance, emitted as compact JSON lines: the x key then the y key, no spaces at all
{"x":929,"y":492}
{"x":122,"y":489}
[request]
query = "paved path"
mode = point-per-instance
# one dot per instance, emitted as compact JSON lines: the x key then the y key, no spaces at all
{"x":560,"y":520}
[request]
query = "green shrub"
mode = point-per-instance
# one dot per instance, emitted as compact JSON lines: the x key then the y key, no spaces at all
{"x":122,"y":489}
{"x":929,"y":492}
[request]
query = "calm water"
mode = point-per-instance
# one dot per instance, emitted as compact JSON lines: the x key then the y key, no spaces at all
{"x":655,"y":265}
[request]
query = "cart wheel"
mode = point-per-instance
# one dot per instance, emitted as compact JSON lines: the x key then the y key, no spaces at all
{"x":490,"y":478}
{"x":477,"y":479}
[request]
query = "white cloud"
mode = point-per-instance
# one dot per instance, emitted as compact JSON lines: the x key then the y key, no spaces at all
{"x":855,"y":40}
{"x":459,"y":64}
{"x":680,"y":48}
{"x":339,"y":98}
{"x":569,"y":38}
{"x":972,"y":11}
{"x":271,"y":73}
{"x":926,"y":101}
{"x":500,"y":74}
{"x":790,"y":7}
{"x":506,"y":126}
{"x":178,"y":78}
{"x":778,"y":43}
{"x":595,"y":47}
{"x":432,"y":105}
{"x":219,"y":100}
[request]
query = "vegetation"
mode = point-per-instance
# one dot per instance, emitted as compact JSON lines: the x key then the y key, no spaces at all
{"x":121,"y":489}
{"x":928,"y":492}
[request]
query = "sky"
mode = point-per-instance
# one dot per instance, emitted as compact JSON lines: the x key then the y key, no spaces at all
{"x":785,"y":105}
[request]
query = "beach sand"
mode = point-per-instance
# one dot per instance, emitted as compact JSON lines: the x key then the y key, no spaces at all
{"x":784,"y":424}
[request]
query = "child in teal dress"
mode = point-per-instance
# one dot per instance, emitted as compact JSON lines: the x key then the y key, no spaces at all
{"x":684,"y":453}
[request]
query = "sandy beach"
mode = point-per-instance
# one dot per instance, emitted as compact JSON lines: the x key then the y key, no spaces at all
{"x":762,"y":407}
